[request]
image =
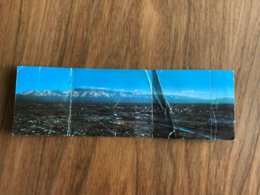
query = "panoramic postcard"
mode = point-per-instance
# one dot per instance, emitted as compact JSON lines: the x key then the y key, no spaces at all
{"x":172,"y":104}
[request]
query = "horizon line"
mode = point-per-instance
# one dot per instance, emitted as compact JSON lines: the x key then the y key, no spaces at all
{"x":166,"y":95}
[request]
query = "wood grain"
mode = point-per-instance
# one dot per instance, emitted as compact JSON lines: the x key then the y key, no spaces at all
{"x":199,"y":34}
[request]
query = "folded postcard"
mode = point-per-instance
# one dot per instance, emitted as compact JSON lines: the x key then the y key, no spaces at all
{"x":180,"y":104}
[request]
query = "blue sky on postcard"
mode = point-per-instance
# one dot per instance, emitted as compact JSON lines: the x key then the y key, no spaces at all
{"x":197,"y":84}
{"x":42,"y":78}
{"x":203,"y":84}
{"x":118,"y":80}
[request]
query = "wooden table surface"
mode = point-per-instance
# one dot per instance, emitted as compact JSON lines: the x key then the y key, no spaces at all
{"x":200,"y":34}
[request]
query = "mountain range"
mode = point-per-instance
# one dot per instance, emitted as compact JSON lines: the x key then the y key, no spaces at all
{"x":85,"y":95}
{"x":109,"y":96}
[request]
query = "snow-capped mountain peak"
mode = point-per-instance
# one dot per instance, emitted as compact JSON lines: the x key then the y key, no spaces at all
{"x":99,"y":95}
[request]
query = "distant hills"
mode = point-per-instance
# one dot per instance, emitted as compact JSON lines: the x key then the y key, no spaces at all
{"x":108,"y":96}
{"x":187,"y":100}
